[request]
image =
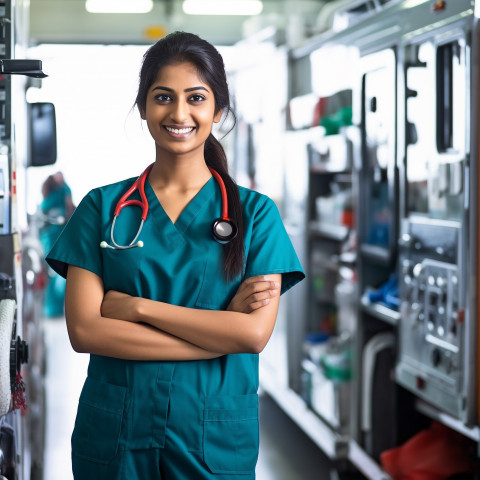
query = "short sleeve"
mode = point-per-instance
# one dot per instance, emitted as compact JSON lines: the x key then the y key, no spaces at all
{"x":270,"y":249}
{"x":78,"y":243}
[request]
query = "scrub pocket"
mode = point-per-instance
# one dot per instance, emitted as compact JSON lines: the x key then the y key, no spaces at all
{"x":99,"y":421}
{"x":215,"y":292}
{"x":231,"y":434}
{"x":122,"y":269}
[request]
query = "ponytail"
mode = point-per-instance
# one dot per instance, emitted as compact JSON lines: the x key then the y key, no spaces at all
{"x":233,"y":251}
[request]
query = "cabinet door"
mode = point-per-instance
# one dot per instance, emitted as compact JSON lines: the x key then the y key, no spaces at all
{"x":436,"y":350}
{"x":436,"y":133}
{"x":377,"y":222}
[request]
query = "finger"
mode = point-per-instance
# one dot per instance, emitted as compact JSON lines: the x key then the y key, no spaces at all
{"x":259,"y":296}
{"x":261,"y":286}
{"x":247,"y":284}
{"x":251,"y":286}
{"x":256,"y":305}
{"x":255,"y":301}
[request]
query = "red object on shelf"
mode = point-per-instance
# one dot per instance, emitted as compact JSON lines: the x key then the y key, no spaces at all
{"x":439,"y":6}
{"x":433,"y":454}
{"x":319,"y":111}
{"x":347,"y":218}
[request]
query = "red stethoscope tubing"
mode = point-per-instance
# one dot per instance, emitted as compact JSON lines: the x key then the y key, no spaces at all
{"x":223,"y":191}
{"x":224,"y":230}
{"x":139,"y":185}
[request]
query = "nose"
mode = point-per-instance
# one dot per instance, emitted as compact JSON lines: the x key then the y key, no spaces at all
{"x":180,"y":111}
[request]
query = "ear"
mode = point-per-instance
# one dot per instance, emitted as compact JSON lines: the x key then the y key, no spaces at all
{"x":142,"y":113}
{"x":217,"y":116}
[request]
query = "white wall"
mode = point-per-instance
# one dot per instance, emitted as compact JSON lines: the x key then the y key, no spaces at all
{"x":99,"y":138}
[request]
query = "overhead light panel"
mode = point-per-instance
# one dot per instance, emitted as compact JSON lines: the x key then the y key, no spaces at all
{"x":119,"y":6}
{"x":222,"y":7}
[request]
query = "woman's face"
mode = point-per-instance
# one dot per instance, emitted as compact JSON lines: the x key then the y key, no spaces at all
{"x":180,"y":110}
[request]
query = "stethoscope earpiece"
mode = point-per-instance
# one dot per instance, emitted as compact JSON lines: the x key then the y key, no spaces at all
{"x":224,"y":230}
{"x":104,"y":244}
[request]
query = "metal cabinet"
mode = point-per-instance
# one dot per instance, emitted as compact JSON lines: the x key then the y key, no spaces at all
{"x":410,"y":158}
{"x":21,"y":426}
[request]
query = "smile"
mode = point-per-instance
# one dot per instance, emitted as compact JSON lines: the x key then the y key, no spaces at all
{"x":179,"y":131}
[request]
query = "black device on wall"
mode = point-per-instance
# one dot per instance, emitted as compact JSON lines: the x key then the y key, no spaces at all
{"x":43,"y":134}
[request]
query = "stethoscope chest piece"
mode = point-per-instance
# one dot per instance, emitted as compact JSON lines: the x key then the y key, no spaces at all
{"x":224,"y":230}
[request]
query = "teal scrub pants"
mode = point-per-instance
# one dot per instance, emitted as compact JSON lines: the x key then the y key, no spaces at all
{"x":169,"y":463}
{"x":167,"y":420}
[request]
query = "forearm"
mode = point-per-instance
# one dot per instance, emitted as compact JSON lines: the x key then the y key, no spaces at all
{"x":221,"y":331}
{"x":91,"y":332}
{"x":131,"y":341}
{"x":244,"y":328}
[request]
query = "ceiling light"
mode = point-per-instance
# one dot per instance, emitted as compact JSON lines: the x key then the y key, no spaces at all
{"x":119,"y":6}
{"x":222,"y":7}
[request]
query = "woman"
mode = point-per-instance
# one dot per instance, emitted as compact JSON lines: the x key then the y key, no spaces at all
{"x":173,"y":328}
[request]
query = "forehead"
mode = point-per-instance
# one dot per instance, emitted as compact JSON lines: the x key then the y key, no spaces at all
{"x":178,"y":75}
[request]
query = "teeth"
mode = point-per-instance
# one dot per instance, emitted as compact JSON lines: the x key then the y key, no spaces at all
{"x":179,"y":130}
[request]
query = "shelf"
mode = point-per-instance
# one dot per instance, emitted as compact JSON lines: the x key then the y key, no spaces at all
{"x":328,"y":231}
{"x":381,"y":311}
{"x":365,"y":463}
{"x":376,"y":253}
{"x":334,"y":445}
{"x":446,"y":419}
{"x":296,"y":408}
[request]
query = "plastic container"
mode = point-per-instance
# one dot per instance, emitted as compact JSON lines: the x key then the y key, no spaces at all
{"x":315,"y":346}
{"x":345,"y":298}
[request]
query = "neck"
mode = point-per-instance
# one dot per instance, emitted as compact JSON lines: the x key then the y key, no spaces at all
{"x":179,"y":174}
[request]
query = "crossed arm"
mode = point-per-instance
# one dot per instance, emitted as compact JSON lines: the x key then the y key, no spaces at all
{"x":119,"y":325}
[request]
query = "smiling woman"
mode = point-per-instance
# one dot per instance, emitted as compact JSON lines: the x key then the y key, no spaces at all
{"x":186,"y":316}
{"x":179,"y":110}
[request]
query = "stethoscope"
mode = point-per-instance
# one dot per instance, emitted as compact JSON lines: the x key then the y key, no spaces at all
{"x":223,"y":229}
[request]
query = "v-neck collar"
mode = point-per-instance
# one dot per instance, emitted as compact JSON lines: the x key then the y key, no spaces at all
{"x":188,"y":214}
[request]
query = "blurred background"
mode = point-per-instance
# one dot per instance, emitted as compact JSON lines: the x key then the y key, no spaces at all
{"x":359,"y":118}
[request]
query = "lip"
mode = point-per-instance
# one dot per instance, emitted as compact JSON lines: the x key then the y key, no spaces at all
{"x":178,"y":131}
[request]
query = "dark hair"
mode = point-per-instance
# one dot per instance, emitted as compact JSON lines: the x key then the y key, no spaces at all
{"x":180,"y":47}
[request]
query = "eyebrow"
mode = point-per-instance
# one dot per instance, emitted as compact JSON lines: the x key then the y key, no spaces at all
{"x":191,"y":89}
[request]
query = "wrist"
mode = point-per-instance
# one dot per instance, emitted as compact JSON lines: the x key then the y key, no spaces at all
{"x":138,"y":309}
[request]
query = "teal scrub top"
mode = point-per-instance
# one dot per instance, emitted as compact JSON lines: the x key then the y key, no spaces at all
{"x":180,"y":264}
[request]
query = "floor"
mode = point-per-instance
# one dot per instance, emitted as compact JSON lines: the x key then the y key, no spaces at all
{"x":286,"y":453}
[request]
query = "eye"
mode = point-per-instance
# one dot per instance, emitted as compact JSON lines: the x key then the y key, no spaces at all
{"x":196,"y":98}
{"x":163,"y":98}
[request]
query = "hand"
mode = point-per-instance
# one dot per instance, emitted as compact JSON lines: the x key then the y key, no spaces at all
{"x":254,"y":293}
{"x":118,"y":305}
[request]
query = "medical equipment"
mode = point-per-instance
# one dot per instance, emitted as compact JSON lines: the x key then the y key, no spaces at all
{"x":437,"y":348}
{"x":223,"y":229}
